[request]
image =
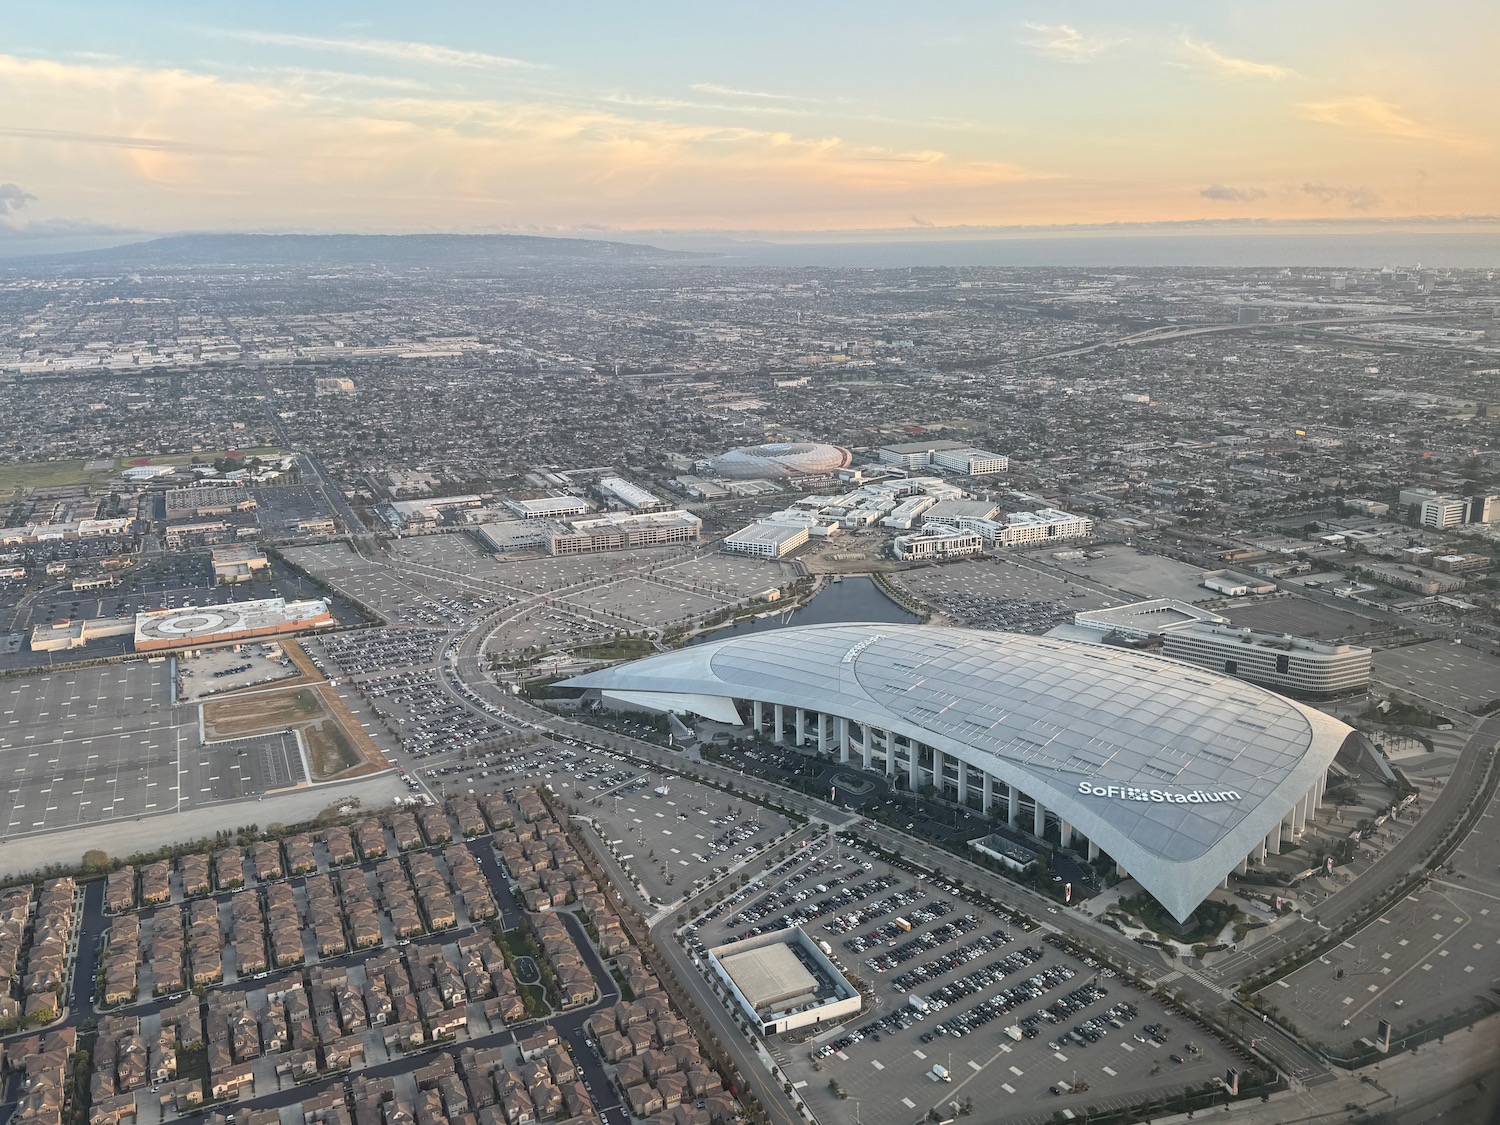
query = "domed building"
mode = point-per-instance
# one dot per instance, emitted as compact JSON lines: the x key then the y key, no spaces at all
{"x":1179,"y":774}
{"x":778,"y":460}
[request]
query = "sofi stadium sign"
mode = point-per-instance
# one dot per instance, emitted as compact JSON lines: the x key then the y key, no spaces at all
{"x":1158,"y":796}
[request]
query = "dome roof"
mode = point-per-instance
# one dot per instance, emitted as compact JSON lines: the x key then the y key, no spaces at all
{"x":780,"y":459}
{"x":1176,"y":771}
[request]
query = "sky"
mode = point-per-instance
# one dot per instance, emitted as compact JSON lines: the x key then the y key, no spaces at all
{"x":766,"y":117}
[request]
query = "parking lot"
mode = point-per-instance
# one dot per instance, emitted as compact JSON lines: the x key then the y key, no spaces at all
{"x":1454,"y":676}
{"x":93,"y":745}
{"x":641,"y":601}
{"x":414,"y":599}
{"x":212,"y":671}
{"x":1022,"y":1025}
{"x":1433,"y":952}
{"x":1000,"y":593}
{"x":1304,"y":618}
{"x":1134,"y":573}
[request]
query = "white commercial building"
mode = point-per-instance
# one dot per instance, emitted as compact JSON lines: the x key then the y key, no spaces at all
{"x":1045,"y":525}
{"x":1296,"y":665}
{"x":1139,"y":620}
{"x":1443,"y":512}
{"x":938,"y":542}
{"x":548,"y":507}
{"x":917,"y":454}
{"x":767,"y":540}
{"x":1235,"y":584}
{"x":974,"y":462}
{"x":905,"y":514}
{"x":781,"y":980}
{"x":1179,"y":774}
{"x":631,"y":495}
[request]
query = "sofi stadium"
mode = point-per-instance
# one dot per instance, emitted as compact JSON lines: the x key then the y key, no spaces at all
{"x":1177,"y":774}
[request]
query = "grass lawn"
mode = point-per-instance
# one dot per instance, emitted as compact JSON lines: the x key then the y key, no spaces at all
{"x":329,"y":751}
{"x":14,"y":479}
{"x":54,"y":474}
{"x":621,"y":648}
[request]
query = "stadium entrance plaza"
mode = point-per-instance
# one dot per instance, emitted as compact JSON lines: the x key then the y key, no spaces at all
{"x":87,"y":746}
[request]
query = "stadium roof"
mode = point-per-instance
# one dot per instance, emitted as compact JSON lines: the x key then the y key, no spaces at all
{"x":1078,"y":726}
{"x":780,"y":459}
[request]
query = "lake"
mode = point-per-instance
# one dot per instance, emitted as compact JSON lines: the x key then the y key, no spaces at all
{"x":853,"y":599}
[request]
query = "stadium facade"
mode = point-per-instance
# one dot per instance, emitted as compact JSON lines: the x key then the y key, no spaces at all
{"x":1178,"y":774}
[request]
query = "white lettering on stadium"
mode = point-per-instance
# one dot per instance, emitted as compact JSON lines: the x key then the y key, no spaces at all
{"x":1158,"y":796}
{"x":859,"y":648}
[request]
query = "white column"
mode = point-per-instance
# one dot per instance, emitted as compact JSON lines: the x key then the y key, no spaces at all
{"x":914,"y":767}
{"x":1013,"y":813}
{"x":1093,"y":851}
{"x":1065,"y":834}
{"x":938,"y":769}
{"x":988,"y":797}
{"x":777,"y":717}
{"x":1273,"y":842}
{"x":757,"y":719}
{"x":1038,"y":818}
{"x":869,"y":750}
{"x":799,"y":726}
{"x":1260,"y":852}
{"x":890,"y":752}
{"x":1299,"y":815}
{"x":1243,"y":866}
{"x":963,"y":783}
{"x":844,"y":739}
{"x":823,"y":734}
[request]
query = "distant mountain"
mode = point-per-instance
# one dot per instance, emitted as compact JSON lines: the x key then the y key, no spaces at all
{"x":462,"y":251}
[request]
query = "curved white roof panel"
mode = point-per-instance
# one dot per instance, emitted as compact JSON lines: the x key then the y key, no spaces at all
{"x":1175,"y":771}
{"x":781,"y":459}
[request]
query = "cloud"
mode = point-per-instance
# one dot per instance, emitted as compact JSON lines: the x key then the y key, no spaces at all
{"x":13,"y":197}
{"x":918,"y":221}
{"x":1221,"y":65}
{"x":1354,"y":198}
{"x":430,"y":54}
{"x":1065,"y":43}
{"x":646,"y":101}
{"x":1362,"y":114}
{"x":715,"y":88}
{"x":1224,"y":193}
{"x":429,"y":161}
{"x":110,"y":140}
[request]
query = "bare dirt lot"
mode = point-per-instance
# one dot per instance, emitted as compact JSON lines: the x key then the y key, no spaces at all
{"x":263,"y":711}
